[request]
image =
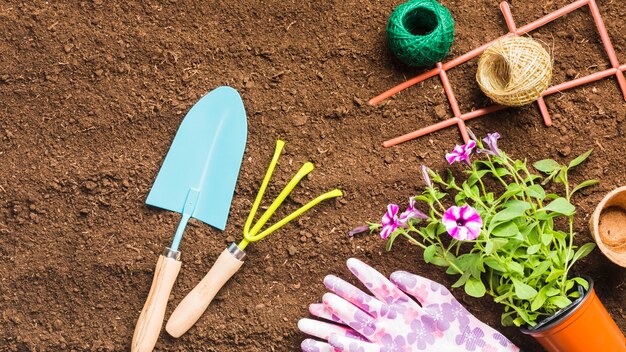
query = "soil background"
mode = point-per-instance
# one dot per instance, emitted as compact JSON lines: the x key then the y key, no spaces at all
{"x":92,"y":93}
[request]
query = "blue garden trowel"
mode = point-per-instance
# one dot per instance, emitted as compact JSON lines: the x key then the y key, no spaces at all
{"x":197,"y":179}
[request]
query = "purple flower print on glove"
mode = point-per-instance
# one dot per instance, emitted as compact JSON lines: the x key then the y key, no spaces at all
{"x":310,"y":345}
{"x":405,"y":313}
{"x":471,"y":338}
{"x":437,"y":287}
{"x":363,"y":323}
{"x":458,"y":312}
{"x":437,"y":317}
{"x":392,"y":344}
{"x":420,"y":336}
{"x":501,"y":339}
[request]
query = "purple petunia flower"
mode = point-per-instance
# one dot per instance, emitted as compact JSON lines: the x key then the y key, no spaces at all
{"x":426,"y":176}
{"x":358,"y":230}
{"x":471,"y":134}
{"x":461,"y":153}
{"x":492,"y":141}
{"x":462,"y":223}
{"x":411,"y":213}
{"x":390,"y":221}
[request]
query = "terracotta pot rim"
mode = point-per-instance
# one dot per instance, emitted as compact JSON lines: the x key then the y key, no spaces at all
{"x":616,"y":257}
{"x":562,"y":314}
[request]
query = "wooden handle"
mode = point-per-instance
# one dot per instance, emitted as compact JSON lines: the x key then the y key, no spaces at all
{"x":150,"y":320}
{"x":196,"y":302}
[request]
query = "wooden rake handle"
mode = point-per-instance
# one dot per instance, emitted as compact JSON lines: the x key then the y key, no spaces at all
{"x":190,"y":309}
{"x":150,"y":320}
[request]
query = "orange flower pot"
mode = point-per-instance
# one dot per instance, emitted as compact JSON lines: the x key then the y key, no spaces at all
{"x":584,"y":327}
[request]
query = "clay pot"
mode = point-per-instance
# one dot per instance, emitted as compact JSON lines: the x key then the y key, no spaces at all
{"x":608,"y":226}
{"x":584,"y":326}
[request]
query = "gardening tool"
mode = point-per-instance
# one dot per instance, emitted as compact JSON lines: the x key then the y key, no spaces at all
{"x":197,"y":179}
{"x":196,"y":302}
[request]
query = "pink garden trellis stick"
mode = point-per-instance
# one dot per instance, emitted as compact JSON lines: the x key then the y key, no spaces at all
{"x":460,"y":118}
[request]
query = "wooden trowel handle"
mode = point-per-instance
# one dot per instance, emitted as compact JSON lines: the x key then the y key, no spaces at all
{"x":196,"y":302}
{"x":150,"y":320}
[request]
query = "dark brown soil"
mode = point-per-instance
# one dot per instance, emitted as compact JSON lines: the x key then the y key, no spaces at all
{"x":92,"y":92}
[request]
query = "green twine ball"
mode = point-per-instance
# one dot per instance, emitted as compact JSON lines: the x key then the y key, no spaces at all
{"x":420,"y":32}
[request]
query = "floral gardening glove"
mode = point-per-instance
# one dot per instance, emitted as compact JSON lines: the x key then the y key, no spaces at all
{"x":391,"y":321}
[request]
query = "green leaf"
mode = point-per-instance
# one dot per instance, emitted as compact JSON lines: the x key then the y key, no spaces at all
{"x":561,"y":177}
{"x":585,"y":184}
{"x":494,"y":264}
{"x":488,"y":247}
{"x":424,"y":198}
{"x":438,"y":261}
{"x":431,"y":229}
{"x":523,"y":290}
{"x":580,"y":159}
{"x":474,"y":177}
{"x":469,"y":191}
{"x":513,"y":209}
{"x":560,"y":301}
{"x":547,"y":166}
{"x":540,"y":269}
{"x":512,"y":189}
{"x":552,"y":291}
{"x":475,"y":287}
{"x":500,"y":171}
{"x":554,"y":275}
{"x":546,"y":238}
{"x":582,"y":282}
{"x":499,"y":243}
{"x":391,"y":239}
{"x":583,"y":251}
{"x":462,"y":280}
{"x":429,"y":253}
{"x":533,"y":249}
{"x":508,"y":229}
{"x":460,"y":198}
{"x":539,"y":300}
{"x":560,"y":206}
{"x":536,"y":191}
{"x":523,"y":316}
{"x":515,"y":266}
{"x":506,"y":319}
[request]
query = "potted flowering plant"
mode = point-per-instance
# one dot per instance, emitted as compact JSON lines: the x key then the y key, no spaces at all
{"x":503,"y":234}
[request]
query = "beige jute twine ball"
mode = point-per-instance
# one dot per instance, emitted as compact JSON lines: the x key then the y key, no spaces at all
{"x":514,"y":71}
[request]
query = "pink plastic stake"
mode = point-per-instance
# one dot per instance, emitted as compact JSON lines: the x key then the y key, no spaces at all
{"x":459,"y":118}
